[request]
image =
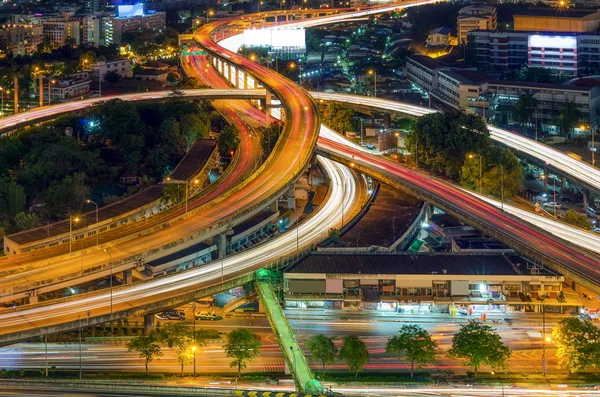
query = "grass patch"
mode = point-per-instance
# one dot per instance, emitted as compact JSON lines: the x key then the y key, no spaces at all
{"x":420,"y":378}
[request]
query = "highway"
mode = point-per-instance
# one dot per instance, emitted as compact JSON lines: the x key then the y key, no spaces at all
{"x":373,"y":328}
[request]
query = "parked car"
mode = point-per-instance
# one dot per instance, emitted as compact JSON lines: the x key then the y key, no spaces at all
{"x":565,"y":200}
{"x":591,"y":212}
{"x":208,"y":316}
{"x":171,"y":315}
{"x":552,"y":204}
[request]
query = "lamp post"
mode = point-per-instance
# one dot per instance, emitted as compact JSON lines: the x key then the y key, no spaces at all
{"x":71,"y":220}
{"x":210,"y":13}
{"x":187,"y":184}
{"x":536,"y":120}
{"x":593,"y":148}
{"x":374,"y":73}
{"x":545,"y":338}
{"x":97,"y":234}
{"x":2,"y":101}
{"x":554,"y":190}
{"x":110,"y":264}
{"x":194,"y":348}
{"x":501,"y":184}
{"x":50,"y":82}
{"x":480,"y":170}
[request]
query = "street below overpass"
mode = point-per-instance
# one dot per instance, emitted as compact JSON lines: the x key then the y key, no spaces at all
{"x":107,"y":355}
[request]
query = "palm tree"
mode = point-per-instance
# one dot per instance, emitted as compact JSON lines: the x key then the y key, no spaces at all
{"x":524,"y":108}
{"x":568,"y":118}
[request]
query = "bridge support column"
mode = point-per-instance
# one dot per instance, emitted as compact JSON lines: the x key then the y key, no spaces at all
{"x":127,"y":276}
{"x":268,"y":109}
{"x":33,"y":298}
{"x":16,"y":94}
{"x":222,"y":245}
{"x":41,"y":84}
{"x":245,"y":80}
{"x":291,"y":199}
{"x":586,"y":198}
{"x":148,"y":323}
{"x":236,"y":84}
{"x":233,"y":75}
{"x":386,"y":120}
{"x":274,"y":207}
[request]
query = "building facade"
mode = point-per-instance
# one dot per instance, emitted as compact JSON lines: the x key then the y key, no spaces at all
{"x":21,"y":39}
{"x":475,"y":17}
{"x":118,"y":26}
{"x":120,"y":66}
{"x":551,"y":20}
{"x":59,"y":29}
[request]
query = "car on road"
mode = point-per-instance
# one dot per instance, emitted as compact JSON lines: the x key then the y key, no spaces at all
{"x":171,"y":315}
{"x":208,"y":316}
{"x":565,"y":199}
{"x":552,"y":204}
{"x":595,"y":229}
{"x":591,"y":212}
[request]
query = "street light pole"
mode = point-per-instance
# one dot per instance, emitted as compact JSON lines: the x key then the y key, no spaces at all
{"x":71,"y":219}
{"x":544,"y":362}
{"x":501,"y":184}
{"x":480,"y":171}
{"x":374,"y":73}
{"x":97,"y":229}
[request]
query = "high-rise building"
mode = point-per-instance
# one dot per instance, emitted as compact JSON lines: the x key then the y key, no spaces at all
{"x":115,"y":27}
{"x":59,"y":29}
{"x":20,"y":39}
{"x":475,"y":17}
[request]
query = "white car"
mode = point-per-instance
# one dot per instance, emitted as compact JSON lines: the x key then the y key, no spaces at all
{"x":552,"y":204}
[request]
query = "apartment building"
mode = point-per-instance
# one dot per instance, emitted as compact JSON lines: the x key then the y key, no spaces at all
{"x":551,"y":20}
{"x":120,"y":66}
{"x":502,"y":50}
{"x":460,"y":89}
{"x":63,"y":89}
{"x":475,"y":17}
{"x":118,"y":26}
{"x":20,"y":39}
{"x":59,"y":29}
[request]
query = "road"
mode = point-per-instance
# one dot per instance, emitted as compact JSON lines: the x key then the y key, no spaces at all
{"x":112,"y":356}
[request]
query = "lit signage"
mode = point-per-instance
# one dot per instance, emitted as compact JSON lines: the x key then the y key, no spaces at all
{"x":537,"y":40}
{"x":126,"y":11}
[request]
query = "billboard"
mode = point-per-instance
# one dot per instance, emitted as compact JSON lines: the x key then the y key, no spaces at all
{"x":543,"y":41}
{"x":275,"y":38}
{"x":135,"y":10}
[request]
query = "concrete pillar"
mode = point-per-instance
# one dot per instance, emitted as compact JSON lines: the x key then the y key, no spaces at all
{"x":148,"y":323}
{"x":546,"y":175}
{"x":33,"y":298}
{"x":563,"y":183}
{"x":586,"y":198}
{"x":222,"y":245}
{"x":41,"y":84}
{"x":16,"y":94}
{"x":261,"y":308}
{"x":274,"y":207}
{"x":245,"y":80}
{"x":268,"y":109}
{"x":386,"y":120}
{"x":127,"y":276}
{"x":291,"y":199}
{"x":233,"y":75}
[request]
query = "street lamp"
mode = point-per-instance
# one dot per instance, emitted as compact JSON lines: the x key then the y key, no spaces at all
{"x":374,"y":73}
{"x":545,"y":339}
{"x":536,"y":121}
{"x":195,"y":181}
{"x":97,"y":234}
{"x":50,"y":82}
{"x":209,"y":13}
{"x":545,"y":177}
{"x":501,"y":184}
{"x":194,"y":348}
{"x":471,"y":156}
{"x":111,"y":279}
{"x":593,"y":148}
{"x":2,"y":96}
{"x":72,"y":219}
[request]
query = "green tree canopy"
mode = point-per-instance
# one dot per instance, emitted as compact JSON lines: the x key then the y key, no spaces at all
{"x":339,"y":118}
{"x":181,"y":338}
{"x":575,"y":219}
{"x":568,"y":118}
{"x":26,"y":221}
{"x":269,"y":137}
{"x":478,"y":344}
{"x":577,"y":343}
{"x":322,"y":348}
{"x":147,"y":346}
{"x":242,"y":345}
{"x":525,"y":108}
{"x":228,"y":140}
{"x":414,"y":344}
{"x":442,"y":140}
{"x":354,"y":352}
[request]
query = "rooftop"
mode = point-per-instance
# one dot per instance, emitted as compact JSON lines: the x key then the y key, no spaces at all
{"x":467,"y":76}
{"x":427,"y":62}
{"x":442,"y":263}
{"x":525,"y":84}
{"x":194,"y":160}
{"x":555,"y":13}
{"x":180,"y":254}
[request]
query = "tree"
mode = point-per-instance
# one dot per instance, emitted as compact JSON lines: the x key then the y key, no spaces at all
{"x":525,"y":108}
{"x":339,"y":118}
{"x":180,"y":338}
{"x":414,"y":344}
{"x":334,"y":234}
{"x":354,"y":352}
{"x":322,"y":348}
{"x":577,"y":343}
{"x":242,"y":345}
{"x":492,"y":177}
{"x":147,"y":346}
{"x":575,"y":219}
{"x":228,"y":140}
{"x":269,"y":137}
{"x":26,"y":221}
{"x":568,"y":118}
{"x":478,"y":344}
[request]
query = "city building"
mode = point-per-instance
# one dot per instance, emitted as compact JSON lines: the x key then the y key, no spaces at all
{"x":153,"y":70}
{"x":460,"y":89}
{"x":63,"y":89}
{"x":91,"y":30}
{"x":438,"y":37}
{"x":20,"y":39}
{"x":59,"y":29}
{"x":503,"y":95}
{"x":120,"y":66}
{"x":502,"y":50}
{"x":132,"y":20}
{"x":551,"y":20}
{"x":424,"y":283}
{"x":475,"y":17}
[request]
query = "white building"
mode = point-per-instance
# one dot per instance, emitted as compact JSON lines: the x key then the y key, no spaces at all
{"x":21,"y":39}
{"x":64,"y":89}
{"x":120,"y":66}
{"x":475,"y":17}
{"x":115,"y":27}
